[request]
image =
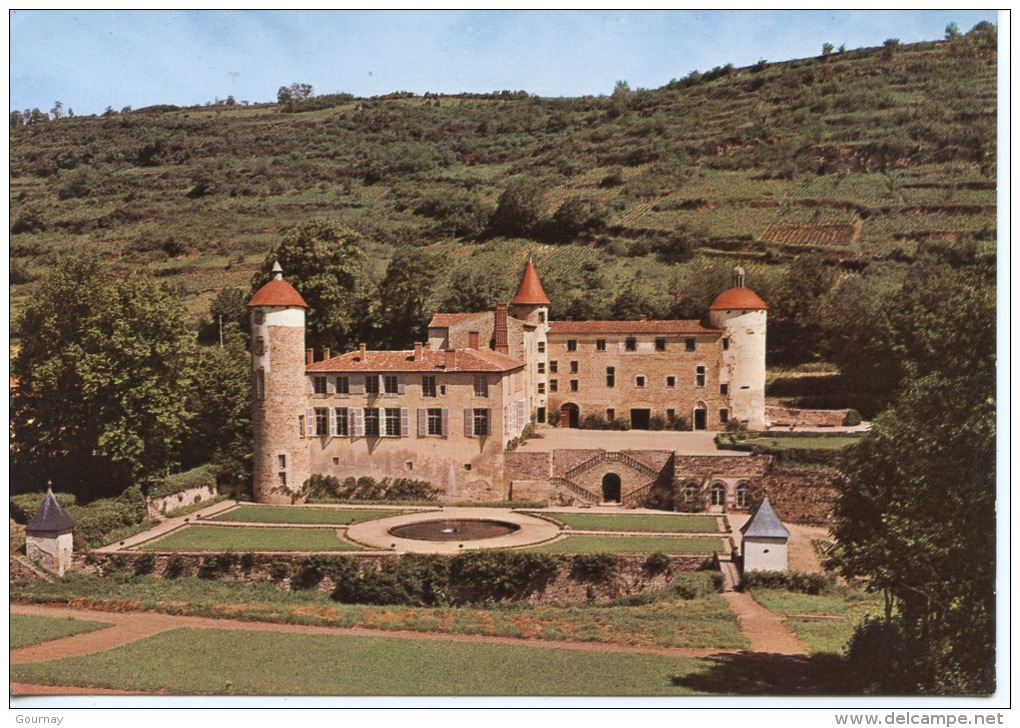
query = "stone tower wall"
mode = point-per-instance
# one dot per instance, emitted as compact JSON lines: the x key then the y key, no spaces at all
{"x":743,"y":363}
{"x":275,"y":417}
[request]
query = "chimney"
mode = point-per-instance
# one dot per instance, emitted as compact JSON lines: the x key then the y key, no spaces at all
{"x":427,"y":346}
{"x":643,"y":318}
{"x":570,"y":318}
{"x":472,"y":339}
{"x":309,"y":356}
{"x":361,"y":351}
{"x":325,"y":354}
{"x":451,"y":359}
{"x":502,"y":343}
{"x":417,"y":351}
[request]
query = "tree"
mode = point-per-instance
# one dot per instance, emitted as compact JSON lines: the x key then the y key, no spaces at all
{"x":827,"y":49}
{"x":220,"y":429}
{"x":325,"y":263}
{"x":101,"y":370}
{"x":519,"y":208}
{"x":889,"y":47}
{"x":294,"y":94}
{"x":952,"y":31}
{"x":916,"y":516}
{"x":795,"y":322}
{"x":577,"y":215}
{"x":228,"y":316}
{"x":403,"y":317}
{"x":984,"y":34}
{"x":57,"y":111}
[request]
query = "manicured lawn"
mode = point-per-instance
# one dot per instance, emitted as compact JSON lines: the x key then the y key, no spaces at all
{"x":705,"y":622}
{"x":240,"y":538}
{"x":630,"y":545}
{"x":822,"y":635}
{"x":210,"y":661}
{"x":808,"y":443}
{"x":303,"y":515}
{"x":29,"y":629}
{"x":639,"y":522}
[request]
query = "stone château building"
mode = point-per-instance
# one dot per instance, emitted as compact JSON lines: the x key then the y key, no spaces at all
{"x":445,"y":411}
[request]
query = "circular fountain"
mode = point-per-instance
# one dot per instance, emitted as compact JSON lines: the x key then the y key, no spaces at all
{"x":454,"y":529}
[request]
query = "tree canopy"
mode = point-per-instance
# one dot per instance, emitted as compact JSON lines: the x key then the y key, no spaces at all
{"x":101,"y":373}
{"x":325,"y":263}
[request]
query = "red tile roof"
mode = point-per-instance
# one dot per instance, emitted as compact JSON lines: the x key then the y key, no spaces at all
{"x":277,"y":293}
{"x":629,"y":327}
{"x":530,"y":292}
{"x":433,"y":360}
{"x":738,"y":298}
{"x":443,"y":320}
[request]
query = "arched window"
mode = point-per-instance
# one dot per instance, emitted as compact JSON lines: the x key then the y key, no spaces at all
{"x":743,"y":490}
{"x":717,"y":494}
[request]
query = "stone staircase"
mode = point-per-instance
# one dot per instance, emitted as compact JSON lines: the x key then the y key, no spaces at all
{"x":583,"y":493}
{"x":612,"y":457}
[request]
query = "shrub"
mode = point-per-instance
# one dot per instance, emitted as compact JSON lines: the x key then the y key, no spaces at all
{"x":852,"y":419}
{"x":145,"y":564}
{"x":696,"y":584}
{"x":593,"y":567}
{"x":797,"y":581}
{"x":656,"y":563}
{"x":279,"y":571}
{"x":310,"y":572}
{"x":176,"y":566}
{"x":217,"y":565}
{"x":499,"y":574}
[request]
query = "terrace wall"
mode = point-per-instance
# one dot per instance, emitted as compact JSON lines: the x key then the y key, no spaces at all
{"x":628,"y":577}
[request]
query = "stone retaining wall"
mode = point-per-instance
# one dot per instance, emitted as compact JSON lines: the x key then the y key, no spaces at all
{"x":629,"y":576}
{"x":160,"y":506}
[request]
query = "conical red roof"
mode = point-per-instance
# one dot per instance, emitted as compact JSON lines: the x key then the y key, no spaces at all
{"x":277,"y":293}
{"x":738,"y":298}
{"x":530,"y":292}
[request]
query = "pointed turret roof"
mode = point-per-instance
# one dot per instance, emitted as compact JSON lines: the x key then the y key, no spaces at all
{"x":50,"y":516}
{"x":278,"y":292}
{"x":530,"y":292}
{"x":765,"y":523}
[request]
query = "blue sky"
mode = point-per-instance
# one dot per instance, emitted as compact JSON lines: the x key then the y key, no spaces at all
{"x":89,"y":60}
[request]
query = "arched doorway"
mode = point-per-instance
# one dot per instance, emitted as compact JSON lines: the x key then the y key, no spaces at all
{"x":611,"y":488}
{"x":570,"y":415}
{"x":700,"y":416}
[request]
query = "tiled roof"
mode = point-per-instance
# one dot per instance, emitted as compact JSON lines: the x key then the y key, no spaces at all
{"x":765,"y":523}
{"x":530,"y":292}
{"x":50,"y":517}
{"x":277,"y":293}
{"x":442,"y":320}
{"x":433,"y":360}
{"x":738,"y":298}
{"x":629,"y":327}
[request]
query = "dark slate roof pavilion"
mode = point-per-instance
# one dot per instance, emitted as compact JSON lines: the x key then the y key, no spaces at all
{"x":50,"y":518}
{"x":765,"y":523}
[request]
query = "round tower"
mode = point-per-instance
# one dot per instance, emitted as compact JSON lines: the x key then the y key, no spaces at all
{"x":531,"y":304}
{"x":741,"y":315}
{"x":280,"y":453}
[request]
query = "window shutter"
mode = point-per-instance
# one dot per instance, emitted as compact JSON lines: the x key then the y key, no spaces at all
{"x":359,"y":422}
{"x":310,"y":422}
{"x":309,"y":387}
{"x":331,"y":415}
{"x":405,"y":422}
{"x":522,"y":409}
{"x":423,"y":423}
{"x":381,"y":386}
{"x":357,"y":385}
{"x":446,"y":422}
{"x":469,"y":425}
{"x":330,"y":385}
{"x":489,"y":425}
{"x":352,"y":428}
{"x":400,"y":385}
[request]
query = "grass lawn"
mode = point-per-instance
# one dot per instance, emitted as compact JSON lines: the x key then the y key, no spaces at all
{"x":643,"y":522}
{"x":810,"y":443}
{"x":706,"y":622}
{"x":630,"y":545}
{"x":822,"y":635}
{"x":241,"y":538}
{"x":303,"y":515}
{"x":29,"y":629}
{"x":210,"y":661}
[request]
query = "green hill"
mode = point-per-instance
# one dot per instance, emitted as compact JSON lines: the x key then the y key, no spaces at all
{"x":867,"y":157}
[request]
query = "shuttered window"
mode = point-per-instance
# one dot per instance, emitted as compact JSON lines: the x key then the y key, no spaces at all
{"x":371,"y":422}
{"x":341,"y":419}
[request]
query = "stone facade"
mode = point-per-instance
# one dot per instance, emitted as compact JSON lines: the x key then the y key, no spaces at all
{"x":313,"y":417}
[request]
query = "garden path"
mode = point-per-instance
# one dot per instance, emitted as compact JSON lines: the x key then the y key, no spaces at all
{"x":766,"y":630}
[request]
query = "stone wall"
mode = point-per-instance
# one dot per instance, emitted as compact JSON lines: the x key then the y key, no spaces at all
{"x":629,"y":576}
{"x":791,"y":417}
{"x":802,"y":495}
{"x":160,"y":506}
{"x":519,"y":465}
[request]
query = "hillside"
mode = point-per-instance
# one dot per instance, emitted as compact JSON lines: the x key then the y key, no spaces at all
{"x":867,"y":157}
